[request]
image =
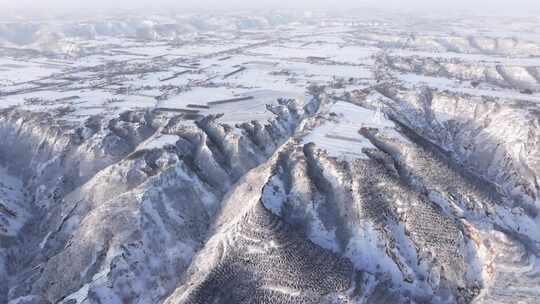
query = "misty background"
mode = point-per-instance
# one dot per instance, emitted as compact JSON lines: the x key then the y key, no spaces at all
{"x":51,"y":8}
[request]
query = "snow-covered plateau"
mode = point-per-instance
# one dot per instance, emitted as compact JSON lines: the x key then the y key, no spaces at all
{"x":269,"y":158}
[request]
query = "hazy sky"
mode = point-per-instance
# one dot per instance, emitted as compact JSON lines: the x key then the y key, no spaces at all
{"x":51,"y":7}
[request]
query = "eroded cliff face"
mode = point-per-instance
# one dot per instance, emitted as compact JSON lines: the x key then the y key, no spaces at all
{"x":154,"y":208}
{"x":427,"y":216}
{"x":496,"y":138}
{"x":415,"y":218}
{"x":120,"y":206}
{"x":477,"y":159}
{"x":366,"y":211}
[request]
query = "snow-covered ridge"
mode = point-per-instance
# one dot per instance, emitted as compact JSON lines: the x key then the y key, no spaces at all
{"x":496,"y":137}
{"x":522,"y":78}
{"x":127,"y":191}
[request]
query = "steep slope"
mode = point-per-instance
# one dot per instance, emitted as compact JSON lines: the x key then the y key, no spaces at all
{"x":136,"y":222}
{"x":247,"y":240}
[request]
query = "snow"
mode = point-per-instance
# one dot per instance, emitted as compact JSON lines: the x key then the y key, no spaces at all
{"x":335,"y":52}
{"x":234,"y":112}
{"x":119,"y":73}
{"x":200,"y":96}
{"x":322,"y":72}
{"x":120,"y":69}
{"x":159,"y":141}
{"x":13,"y":198}
{"x":443,"y":84}
{"x":15,"y":71}
{"x":272,"y":197}
{"x":340,"y":138}
{"x":320,"y":235}
{"x":364,"y":251}
{"x":79,"y":296}
{"x":477,"y":58}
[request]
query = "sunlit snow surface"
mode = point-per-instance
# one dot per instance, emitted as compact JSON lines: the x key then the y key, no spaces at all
{"x":340,"y":136}
{"x":115,"y":75}
{"x":12,"y":204}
